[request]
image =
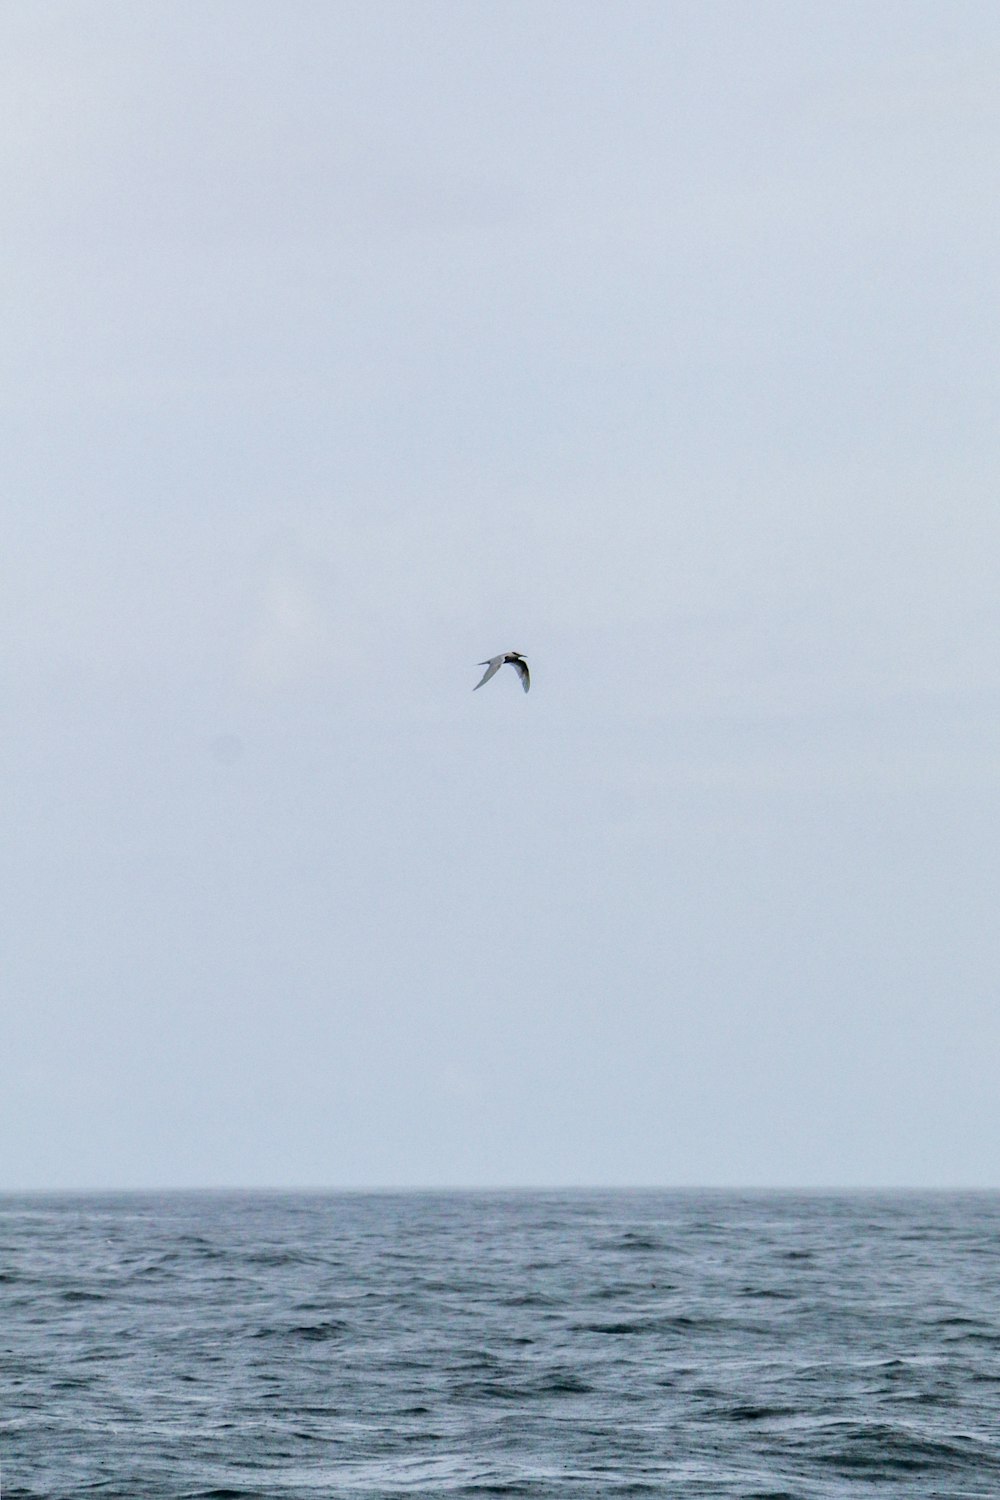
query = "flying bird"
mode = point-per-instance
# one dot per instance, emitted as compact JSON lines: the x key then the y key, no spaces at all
{"x":494,"y":664}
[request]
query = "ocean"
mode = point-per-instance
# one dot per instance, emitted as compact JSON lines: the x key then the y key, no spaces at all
{"x":766,"y":1346}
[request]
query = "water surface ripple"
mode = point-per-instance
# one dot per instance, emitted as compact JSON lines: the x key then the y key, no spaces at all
{"x":760,"y":1346}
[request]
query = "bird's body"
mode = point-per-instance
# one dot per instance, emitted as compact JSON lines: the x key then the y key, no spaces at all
{"x":494,"y":664}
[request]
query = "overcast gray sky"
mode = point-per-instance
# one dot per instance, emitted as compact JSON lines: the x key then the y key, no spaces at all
{"x":347,"y":344}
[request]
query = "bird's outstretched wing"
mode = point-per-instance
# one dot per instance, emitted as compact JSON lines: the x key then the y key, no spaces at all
{"x":521,"y":667}
{"x":492,"y":666}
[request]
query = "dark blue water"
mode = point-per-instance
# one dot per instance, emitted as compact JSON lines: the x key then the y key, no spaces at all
{"x":676,"y":1344}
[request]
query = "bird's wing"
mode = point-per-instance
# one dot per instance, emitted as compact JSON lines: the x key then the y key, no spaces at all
{"x":492,"y":666}
{"x":521,"y":668}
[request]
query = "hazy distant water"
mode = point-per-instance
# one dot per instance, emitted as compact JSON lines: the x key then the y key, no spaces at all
{"x":563,"y":1345}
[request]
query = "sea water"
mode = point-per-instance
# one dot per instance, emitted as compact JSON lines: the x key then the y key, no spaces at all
{"x":469,"y":1344}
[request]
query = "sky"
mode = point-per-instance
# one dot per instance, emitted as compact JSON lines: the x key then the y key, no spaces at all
{"x":348,"y":344}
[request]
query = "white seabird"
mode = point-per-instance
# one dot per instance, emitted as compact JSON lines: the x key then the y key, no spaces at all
{"x":494,"y":664}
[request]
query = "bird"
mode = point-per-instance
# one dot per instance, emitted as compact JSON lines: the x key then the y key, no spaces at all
{"x":494,"y":664}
